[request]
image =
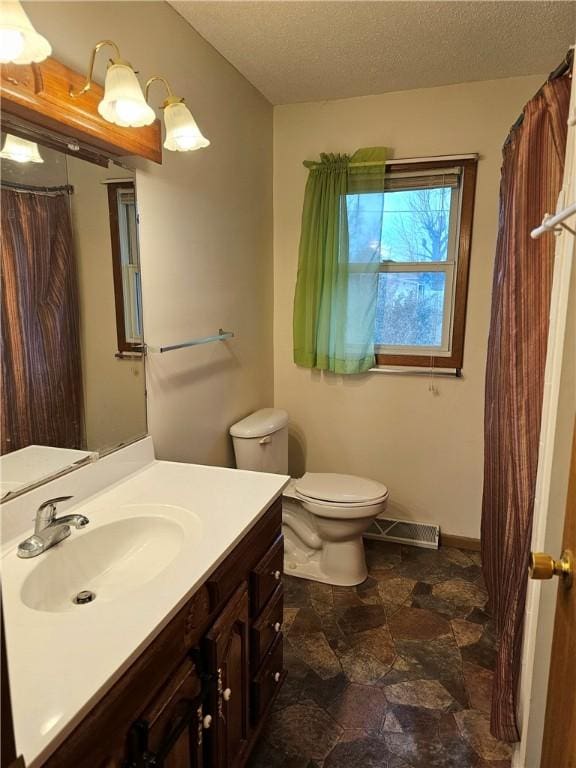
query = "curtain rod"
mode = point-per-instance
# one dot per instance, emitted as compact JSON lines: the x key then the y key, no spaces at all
{"x":67,"y":188}
{"x":562,"y":69}
{"x":407,"y":160}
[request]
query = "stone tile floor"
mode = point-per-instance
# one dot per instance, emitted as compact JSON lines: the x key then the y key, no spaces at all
{"x":394,"y":673}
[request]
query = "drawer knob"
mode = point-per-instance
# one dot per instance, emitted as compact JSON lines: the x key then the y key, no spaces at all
{"x":277,"y":575}
{"x":277,"y":627}
{"x":227,"y":694}
{"x":277,"y":677}
{"x":207,"y":722}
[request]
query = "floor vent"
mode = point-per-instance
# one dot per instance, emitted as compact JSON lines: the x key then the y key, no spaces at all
{"x":417,"y":534}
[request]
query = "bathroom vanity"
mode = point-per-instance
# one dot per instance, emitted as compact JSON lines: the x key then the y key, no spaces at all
{"x":200,"y":692}
{"x":178,"y":658}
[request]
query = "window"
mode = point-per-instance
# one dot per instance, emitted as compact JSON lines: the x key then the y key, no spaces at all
{"x":424,"y":256}
{"x":125,"y":265}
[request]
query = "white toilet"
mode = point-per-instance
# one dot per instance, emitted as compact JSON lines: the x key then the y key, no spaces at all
{"x":323,"y":515}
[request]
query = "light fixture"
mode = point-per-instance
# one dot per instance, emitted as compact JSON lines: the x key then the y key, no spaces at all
{"x":123,"y":102}
{"x":19,"y":41}
{"x":182,"y":132}
{"x":20,"y":150}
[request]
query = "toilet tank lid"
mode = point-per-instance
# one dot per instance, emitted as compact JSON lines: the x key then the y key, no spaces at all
{"x":260,"y":423}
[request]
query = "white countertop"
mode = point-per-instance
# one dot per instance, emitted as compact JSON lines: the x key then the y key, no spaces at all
{"x":61,"y":663}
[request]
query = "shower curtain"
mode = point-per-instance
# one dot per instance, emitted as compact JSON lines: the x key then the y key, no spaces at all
{"x":533,"y":164}
{"x":42,"y":401}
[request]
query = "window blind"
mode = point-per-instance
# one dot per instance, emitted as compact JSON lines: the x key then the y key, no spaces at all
{"x":405,"y":180}
{"x":449,"y":177}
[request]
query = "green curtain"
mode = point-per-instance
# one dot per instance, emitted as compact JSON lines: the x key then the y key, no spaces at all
{"x":337,"y":283}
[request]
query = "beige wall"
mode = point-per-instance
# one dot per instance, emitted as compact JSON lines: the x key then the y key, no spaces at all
{"x":428,"y":449}
{"x":114,"y":390}
{"x":206,"y":225}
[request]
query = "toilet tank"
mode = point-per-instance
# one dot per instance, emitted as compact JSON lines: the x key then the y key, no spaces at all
{"x":261,"y":441}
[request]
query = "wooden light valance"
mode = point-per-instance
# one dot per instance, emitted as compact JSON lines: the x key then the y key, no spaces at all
{"x":36,"y":104}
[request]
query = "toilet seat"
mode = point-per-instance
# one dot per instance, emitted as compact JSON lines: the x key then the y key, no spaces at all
{"x":344,"y":505}
{"x":341,"y":490}
{"x":343,"y":512}
{"x":330,"y":495}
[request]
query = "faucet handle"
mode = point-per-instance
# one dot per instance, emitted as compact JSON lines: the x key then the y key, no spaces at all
{"x":53,"y":502}
{"x":47,"y":512}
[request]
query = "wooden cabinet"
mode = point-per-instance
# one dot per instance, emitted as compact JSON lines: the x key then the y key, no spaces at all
{"x":170,"y":733}
{"x":198,"y":695}
{"x":228,"y":663}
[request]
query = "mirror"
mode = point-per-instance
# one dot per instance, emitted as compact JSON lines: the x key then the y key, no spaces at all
{"x":73,"y":384}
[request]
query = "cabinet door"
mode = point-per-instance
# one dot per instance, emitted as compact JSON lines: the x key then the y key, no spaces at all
{"x":170,"y":732}
{"x":226,"y":648}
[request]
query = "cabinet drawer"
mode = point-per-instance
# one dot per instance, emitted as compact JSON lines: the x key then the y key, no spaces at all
{"x":265,"y":576}
{"x":268,"y":680}
{"x":266,"y":628}
{"x":246,"y":557}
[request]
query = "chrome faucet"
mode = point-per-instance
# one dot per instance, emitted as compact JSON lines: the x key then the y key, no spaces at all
{"x":49,"y":529}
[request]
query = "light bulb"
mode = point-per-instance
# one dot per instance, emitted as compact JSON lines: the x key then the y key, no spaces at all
{"x":128,"y":111}
{"x":11,"y":44}
{"x":20,"y":157}
{"x":184,"y":142}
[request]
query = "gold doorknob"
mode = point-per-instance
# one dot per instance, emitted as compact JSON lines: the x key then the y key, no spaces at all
{"x":543,"y":566}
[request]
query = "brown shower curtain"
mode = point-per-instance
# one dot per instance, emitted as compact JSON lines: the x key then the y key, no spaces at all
{"x":41,"y":383}
{"x":533,"y":164}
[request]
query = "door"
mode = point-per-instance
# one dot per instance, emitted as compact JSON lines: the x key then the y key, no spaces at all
{"x":559,"y":745}
{"x":170,"y":733}
{"x":226,"y":649}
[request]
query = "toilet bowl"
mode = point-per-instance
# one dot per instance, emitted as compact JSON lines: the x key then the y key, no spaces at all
{"x":324,"y":515}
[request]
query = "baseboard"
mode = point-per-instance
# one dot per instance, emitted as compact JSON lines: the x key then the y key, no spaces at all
{"x":460,"y":542}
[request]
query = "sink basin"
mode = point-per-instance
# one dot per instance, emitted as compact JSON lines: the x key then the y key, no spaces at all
{"x":108,"y":561}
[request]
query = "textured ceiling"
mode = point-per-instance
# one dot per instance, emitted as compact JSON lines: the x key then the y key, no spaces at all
{"x":304,"y":50}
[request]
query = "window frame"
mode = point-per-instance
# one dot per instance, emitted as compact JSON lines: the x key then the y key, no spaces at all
{"x":454,"y":357}
{"x":124,"y":345}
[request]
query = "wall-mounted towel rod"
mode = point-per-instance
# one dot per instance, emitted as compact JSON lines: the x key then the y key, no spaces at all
{"x":551,"y":223}
{"x":220,"y":336}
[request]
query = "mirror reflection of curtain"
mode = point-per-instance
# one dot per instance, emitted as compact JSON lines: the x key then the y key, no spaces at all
{"x":42,"y":397}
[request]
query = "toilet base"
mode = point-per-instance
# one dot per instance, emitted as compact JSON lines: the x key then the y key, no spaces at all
{"x":325,"y":564}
